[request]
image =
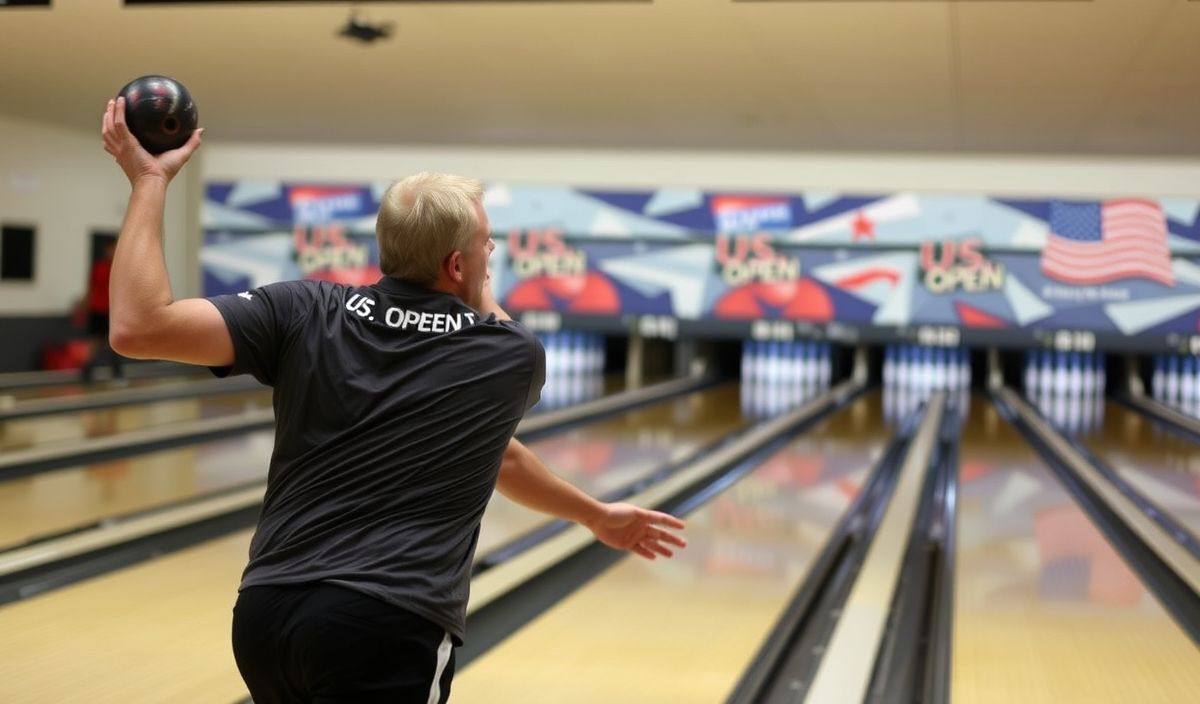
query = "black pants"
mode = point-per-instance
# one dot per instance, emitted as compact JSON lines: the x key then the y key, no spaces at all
{"x":322,"y":644}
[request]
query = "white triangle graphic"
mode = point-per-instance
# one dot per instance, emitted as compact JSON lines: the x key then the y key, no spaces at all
{"x":252,"y":192}
{"x":1137,"y":316}
{"x":680,"y":270}
{"x":608,"y":224}
{"x":673,"y":200}
{"x":1026,"y":306}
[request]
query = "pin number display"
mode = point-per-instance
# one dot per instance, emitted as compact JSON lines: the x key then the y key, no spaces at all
{"x":542,"y":321}
{"x":938,"y":336}
{"x":658,"y":326}
{"x":775,"y":330}
{"x":1074,"y":341}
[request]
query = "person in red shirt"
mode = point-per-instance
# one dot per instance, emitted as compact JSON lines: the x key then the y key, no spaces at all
{"x":97,"y":315}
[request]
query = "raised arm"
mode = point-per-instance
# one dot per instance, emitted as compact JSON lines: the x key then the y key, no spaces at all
{"x":146,"y":322}
{"x":526,"y":480}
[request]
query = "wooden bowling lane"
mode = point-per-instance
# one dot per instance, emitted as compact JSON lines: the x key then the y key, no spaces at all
{"x":43,"y":431}
{"x":1045,"y":609}
{"x":78,"y":389}
{"x":176,"y":626}
{"x":1162,"y":465}
{"x":683,"y":630}
{"x":50,"y":502}
{"x":155,"y":632}
{"x":606,"y":455}
{"x":599,"y":456}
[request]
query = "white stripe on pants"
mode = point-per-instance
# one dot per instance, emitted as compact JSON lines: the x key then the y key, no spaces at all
{"x":443,"y":658}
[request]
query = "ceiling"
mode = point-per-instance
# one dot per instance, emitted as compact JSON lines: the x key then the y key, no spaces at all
{"x":1096,"y":77}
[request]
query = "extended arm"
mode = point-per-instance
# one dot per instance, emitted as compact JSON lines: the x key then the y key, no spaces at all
{"x":524,"y":479}
{"x":489,"y":306}
{"x":146,"y":321}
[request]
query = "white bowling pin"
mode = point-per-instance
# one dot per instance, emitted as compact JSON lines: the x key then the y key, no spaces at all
{"x":1074,"y":375}
{"x":926,"y":377}
{"x":826,"y":367}
{"x":939,"y":369}
{"x":1158,"y":380}
{"x":1187,"y":372}
{"x":1046,"y":374}
{"x":1060,"y":374}
{"x":1171,"y":385}
{"x":748,"y":366}
{"x":579,"y":354}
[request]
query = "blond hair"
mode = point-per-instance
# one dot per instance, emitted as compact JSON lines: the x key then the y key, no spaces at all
{"x":422,"y":220}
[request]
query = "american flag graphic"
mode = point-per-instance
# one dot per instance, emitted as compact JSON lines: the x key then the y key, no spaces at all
{"x":1095,"y":243}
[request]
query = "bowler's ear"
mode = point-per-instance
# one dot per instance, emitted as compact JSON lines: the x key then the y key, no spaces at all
{"x":452,"y":266}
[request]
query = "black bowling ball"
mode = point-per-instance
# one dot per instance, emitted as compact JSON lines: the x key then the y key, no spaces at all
{"x":160,"y":112}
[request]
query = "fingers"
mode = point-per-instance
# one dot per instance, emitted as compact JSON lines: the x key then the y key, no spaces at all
{"x":119,"y":114}
{"x":657,"y":547}
{"x":193,"y":143}
{"x":652,"y":544}
{"x":665,"y":519}
{"x":114,"y":128}
{"x":671,"y":538}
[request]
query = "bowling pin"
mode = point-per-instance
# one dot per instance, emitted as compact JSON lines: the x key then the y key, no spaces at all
{"x":924,"y":371}
{"x":1158,"y":379}
{"x":826,"y":375}
{"x":938,"y":380}
{"x":578,"y":352}
{"x":747,"y":360}
{"x":1046,"y":373}
{"x":1187,"y":383}
{"x":1074,"y":375}
{"x":1171,"y":382}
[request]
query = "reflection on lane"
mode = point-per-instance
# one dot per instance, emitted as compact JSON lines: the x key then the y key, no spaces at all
{"x":43,"y":431}
{"x":51,"y":502}
{"x":685,"y":629}
{"x":80,"y":390}
{"x":606,"y":455}
{"x":566,"y":387}
{"x":1045,"y":609}
{"x":171,"y":616}
{"x":1160,"y":464}
{"x":60,"y":500}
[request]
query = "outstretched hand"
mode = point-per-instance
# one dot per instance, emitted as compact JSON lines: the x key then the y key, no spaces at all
{"x":645,"y":532}
{"x":134,"y":160}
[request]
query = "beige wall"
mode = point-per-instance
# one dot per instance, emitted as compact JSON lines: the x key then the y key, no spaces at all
{"x":63,"y":183}
{"x":1010,"y":176}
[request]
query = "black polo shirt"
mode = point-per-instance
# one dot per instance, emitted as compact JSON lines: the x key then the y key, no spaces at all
{"x":393,"y":406}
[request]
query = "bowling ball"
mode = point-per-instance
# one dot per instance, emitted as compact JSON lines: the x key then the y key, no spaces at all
{"x":160,"y":112}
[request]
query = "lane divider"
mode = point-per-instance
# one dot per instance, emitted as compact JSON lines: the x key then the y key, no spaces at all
{"x":1170,"y":551}
{"x":844,"y":672}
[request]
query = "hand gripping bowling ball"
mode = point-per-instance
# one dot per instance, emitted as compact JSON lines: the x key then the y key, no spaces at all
{"x":160,"y":112}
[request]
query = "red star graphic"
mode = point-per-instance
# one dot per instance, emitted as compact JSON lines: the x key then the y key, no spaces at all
{"x":864,"y":228}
